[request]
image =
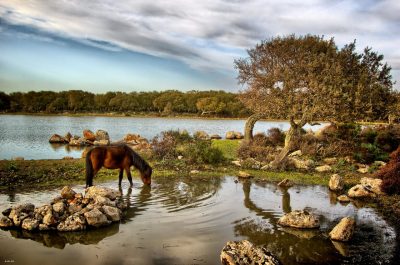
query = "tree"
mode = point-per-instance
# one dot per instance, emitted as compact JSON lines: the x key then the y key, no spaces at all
{"x":307,"y":78}
{"x":5,"y":101}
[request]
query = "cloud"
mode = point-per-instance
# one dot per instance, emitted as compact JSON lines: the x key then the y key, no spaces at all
{"x":209,"y":34}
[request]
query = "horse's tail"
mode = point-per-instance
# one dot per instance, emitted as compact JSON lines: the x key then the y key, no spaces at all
{"x":89,"y":169}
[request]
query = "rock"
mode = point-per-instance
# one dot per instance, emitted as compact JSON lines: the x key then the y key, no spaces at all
{"x":68,"y":137}
{"x":239,"y":135}
{"x":236,"y":163}
{"x":230,"y":135}
{"x":102,"y":135}
{"x":286,"y":183}
{"x":101,"y":142}
{"x":380,"y":164}
{"x":67,"y":193}
{"x":100,"y":201}
{"x":330,"y":160}
{"x":94,"y":191}
{"x":18,"y":158}
{"x":336,"y":182}
{"x":194,"y":171}
{"x":299,"y":219}
{"x":202,"y":135}
{"x":43,"y":227}
{"x":113,"y":214}
{"x":74,"y":208}
{"x":75,"y":222}
{"x":215,"y":136}
{"x":372,"y":184}
{"x":89,"y":135}
{"x":49,"y":219}
{"x":30,"y":224}
{"x":43,"y":210}
{"x":96,"y":218}
{"x":6,"y":222}
{"x":77,"y":142}
{"x":244,"y":252}
{"x":180,"y":157}
{"x":300,"y":163}
{"x":57,"y":139}
{"x":132,"y":138}
{"x":359,"y":191}
{"x":324,"y":168}
{"x":20,"y":212}
{"x":363,"y":170}
{"x":7,"y":211}
{"x":296,"y":153}
{"x":343,"y":198}
{"x":59,"y":207}
{"x":244,"y":175}
{"x":344,"y":230}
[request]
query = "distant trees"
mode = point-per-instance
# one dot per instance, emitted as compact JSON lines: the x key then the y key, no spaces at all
{"x":167,"y":102}
{"x":307,"y":78}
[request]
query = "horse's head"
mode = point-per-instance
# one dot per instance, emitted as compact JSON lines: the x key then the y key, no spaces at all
{"x":146,"y":175}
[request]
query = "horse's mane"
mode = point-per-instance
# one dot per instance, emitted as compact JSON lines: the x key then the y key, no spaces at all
{"x":137,"y":160}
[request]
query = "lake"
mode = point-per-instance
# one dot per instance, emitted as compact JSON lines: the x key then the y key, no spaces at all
{"x":187,"y":220}
{"x":27,"y":136}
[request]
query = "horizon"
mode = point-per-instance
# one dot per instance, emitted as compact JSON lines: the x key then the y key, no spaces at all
{"x":136,"y":46}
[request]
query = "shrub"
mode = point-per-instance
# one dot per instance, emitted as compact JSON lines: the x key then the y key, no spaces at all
{"x":201,"y":151}
{"x":368,"y":135}
{"x":309,"y":145}
{"x":275,"y":136}
{"x":390,"y":174}
{"x":165,"y":145}
{"x":386,"y":140}
{"x":368,"y":153}
{"x":256,"y":150}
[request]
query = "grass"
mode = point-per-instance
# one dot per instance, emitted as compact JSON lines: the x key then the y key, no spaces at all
{"x":228,"y":147}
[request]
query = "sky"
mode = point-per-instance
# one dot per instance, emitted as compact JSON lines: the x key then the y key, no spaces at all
{"x":141,"y":45}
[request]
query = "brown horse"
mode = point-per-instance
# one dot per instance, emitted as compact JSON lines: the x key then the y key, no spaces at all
{"x":119,"y":157}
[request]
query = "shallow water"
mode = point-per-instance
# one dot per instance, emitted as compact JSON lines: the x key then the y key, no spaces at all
{"x":188,"y":221}
{"x":28,"y":136}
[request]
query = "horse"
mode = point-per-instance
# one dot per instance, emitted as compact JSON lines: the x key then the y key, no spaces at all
{"x":119,"y":157}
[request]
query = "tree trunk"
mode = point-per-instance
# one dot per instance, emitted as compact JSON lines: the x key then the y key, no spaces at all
{"x":249,"y":126}
{"x":291,"y":135}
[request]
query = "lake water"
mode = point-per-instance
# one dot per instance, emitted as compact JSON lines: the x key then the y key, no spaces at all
{"x":187,"y":220}
{"x":27,"y":136}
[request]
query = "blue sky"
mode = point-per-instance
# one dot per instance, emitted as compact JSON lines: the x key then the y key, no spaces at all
{"x":140,"y":45}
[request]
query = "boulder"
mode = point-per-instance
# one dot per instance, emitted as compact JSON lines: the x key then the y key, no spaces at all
{"x":336,"y":182}
{"x":68,"y":137}
{"x":244,"y":252}
{"x":132,"y":138}
{"x":49,"y":219}
{"x":202,"y":135}
{"x":215,"y":136}
{"x":59,"y":207}
{"x":359,"y":191}
{"x":89,"y":135}
{"x":286,"y":183}
{"x":230,"y":135}
{"x":236,"y":163}
{"x":299,"y":219}
{"x":101,"y":142}
{"x":244,"y":175}
{"x":100,"y":201}
{"x":363,"y":170}
{"x":94,"y":191}
{"x":372,"y":184}
{"x":77,"y":142}
{"x":20,"y":212}
{"x":96,"y":218}
{"x":6,"y":222}
{"x":75,"y":222}
{"x":296,"y":153}
{"x":102,"y":135}
{"x":330,"y":160}
{"x":344,"y":230}
{"x":324,"y":168}
{"x":113,"y":214}
{"x":30,"y":224}
{"x":300,"y":163}
{"x":67,"y":193}
{"x":57,"y":139}
{"x":343,"y":198}
{"x":239,"y":135}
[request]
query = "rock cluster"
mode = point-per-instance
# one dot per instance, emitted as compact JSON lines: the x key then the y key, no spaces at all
{"x":101,"y":137}
{"x":244,"y":252}
{"x":70,"y":211}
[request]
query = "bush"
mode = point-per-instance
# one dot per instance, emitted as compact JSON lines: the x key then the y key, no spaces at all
{"x":256,"y":149}
{"x":368,"y":153}
{"x":165,"y":146}
{"x":386,"y":140}
{"x":368,"y":135}
{"x":201,"y":151}
{"x":275,"y":136}
{"x":390,"y":174}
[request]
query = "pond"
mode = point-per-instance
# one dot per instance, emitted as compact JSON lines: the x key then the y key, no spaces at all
{"x":187,"y":220}
{"x":27,"y":136}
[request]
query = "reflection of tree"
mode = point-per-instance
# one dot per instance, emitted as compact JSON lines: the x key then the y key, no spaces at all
{"x":290,"y":245}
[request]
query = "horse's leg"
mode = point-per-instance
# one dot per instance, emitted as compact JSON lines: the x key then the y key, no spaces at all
{"x":121,"y":174}
{"x":128,"y":173}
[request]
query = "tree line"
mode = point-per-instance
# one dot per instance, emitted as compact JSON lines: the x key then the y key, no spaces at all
{"x":214,"y":103}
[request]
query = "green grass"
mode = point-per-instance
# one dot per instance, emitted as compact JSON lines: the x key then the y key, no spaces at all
{"x":228,"y":147}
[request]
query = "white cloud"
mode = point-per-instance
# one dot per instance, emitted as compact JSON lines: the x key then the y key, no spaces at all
{"x":211,"y":33}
